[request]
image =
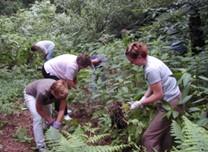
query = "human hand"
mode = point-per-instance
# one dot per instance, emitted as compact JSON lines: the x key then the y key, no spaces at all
{"x":98,"y":59}
{"x":96,"y":62}
{"x":56,"y":125}
{"x":137,"y":104}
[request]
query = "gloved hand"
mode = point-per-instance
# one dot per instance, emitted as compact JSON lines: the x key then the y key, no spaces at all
{"x":137,"y":104}
{"x":56,"y":125}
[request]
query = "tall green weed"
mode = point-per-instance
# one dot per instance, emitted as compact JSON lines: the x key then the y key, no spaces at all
{"x":12,"y":83}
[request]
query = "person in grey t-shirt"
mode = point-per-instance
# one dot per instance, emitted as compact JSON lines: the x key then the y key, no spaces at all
{"x":38,"y":96}
{"x":46,"y":47}
{"x":161,"y":86}
{"x":66,"y":67}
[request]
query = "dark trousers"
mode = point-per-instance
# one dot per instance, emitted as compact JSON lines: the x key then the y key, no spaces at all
{"x":47,"y":75}
{"x":157,"y":136}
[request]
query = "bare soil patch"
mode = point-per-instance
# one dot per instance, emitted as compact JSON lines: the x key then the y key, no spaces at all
{"x":10,"y":124}
{"x":8,"y":128}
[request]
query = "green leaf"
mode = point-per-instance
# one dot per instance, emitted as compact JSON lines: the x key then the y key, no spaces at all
{"x":194,"y":109}
{"x":186,"y":99}
{"x":203,"y":78}
{"x":186,"y":79}
{"x":175,"y":114}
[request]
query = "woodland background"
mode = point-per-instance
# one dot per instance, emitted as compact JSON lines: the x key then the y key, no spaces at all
{"x":176,"y":31}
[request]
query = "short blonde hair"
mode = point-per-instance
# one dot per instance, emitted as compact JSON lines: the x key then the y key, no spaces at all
{"x":60,"y":88}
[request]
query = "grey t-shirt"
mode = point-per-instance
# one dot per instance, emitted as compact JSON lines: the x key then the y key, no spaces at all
{"x":45,"y":45}
{"x":155,"y":71}
{"x":40,"y":89}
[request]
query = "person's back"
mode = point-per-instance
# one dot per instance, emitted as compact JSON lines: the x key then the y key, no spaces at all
{"x":40,"y":89}
{"x":156,"y":70}
{"x":46,"y":47}
{"x":63,"y":66}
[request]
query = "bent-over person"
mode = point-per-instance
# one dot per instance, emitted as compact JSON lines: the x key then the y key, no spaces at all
{"x":38,"y":96}
{"x":162,"y":86}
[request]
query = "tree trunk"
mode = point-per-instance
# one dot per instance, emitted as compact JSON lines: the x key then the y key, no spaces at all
{"x":196,"y":33}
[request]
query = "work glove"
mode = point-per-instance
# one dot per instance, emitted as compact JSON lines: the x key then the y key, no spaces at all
{"x":137,"y":104}
{"x":56,"y":125}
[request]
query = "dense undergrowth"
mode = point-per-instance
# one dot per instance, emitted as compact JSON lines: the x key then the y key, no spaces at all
{"x":94,"y":27}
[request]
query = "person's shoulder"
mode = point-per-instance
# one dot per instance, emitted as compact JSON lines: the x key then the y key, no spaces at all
{"x":63,"y":58}
{"x":67,"y":56}
{"x":44,"y":84}
{"x":45,"y":42}
{"x":152,"y":64}
{"x":154,"y":61}
{"x":39,"y":82}
{"x":70,"y":56}
{"x":151,"y":69}
{"x":49,"y":41}
{"x":152,"y":57}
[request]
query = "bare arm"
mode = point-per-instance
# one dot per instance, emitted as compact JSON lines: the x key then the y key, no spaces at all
{"x":156,"y":93}
{"x":61,"y":110}
{"x":96,"y":62}
{"x":44,"y":114}
{"x":148,"y":92}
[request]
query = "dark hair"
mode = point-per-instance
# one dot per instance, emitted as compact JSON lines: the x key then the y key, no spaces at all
{"x":84,"y":60}
{"x":34,"y":48}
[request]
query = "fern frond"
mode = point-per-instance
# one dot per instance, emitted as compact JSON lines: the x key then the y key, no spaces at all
{"x":106,"y":148}
{"x":52,"y":140}
{"x":96,"y":138}
{"x":194,"y":138}
{"x":176,"y":131}
{"x":89,"y":129}
{"x":77,"y":142}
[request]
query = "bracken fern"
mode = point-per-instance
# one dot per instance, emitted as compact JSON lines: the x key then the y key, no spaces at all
{"x":77,"y":142}
{"x":191,"y":138}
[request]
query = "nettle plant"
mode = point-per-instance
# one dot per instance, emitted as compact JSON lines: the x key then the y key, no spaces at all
{"x":12,"y":87}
